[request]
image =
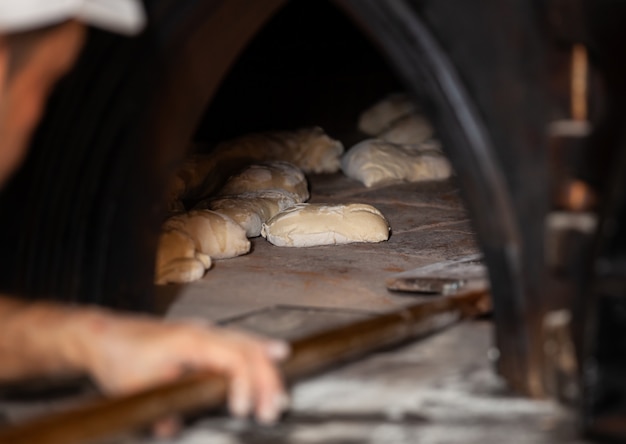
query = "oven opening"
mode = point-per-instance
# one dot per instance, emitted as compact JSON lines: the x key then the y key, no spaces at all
{"x":311,"y":66}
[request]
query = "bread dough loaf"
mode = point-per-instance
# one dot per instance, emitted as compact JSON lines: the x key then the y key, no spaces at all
{"x":310,"y":149}
{"x":177,"y":260}
{"x":306,"y":225}
{"x":380,"y":116}
{"x":251,"y":210}
{"x":409,"y":130}
{"x":374,"y":162}
{"x":214,"y":234}
{"x":314,"y":151}
{"x":259,"y":192}
{"x":188,"y":241}
{"x":275,"y":175}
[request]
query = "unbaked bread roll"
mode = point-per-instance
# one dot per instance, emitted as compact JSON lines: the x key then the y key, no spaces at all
{"x":409,"y":130}
{"x":374,"y":162}
{"x":189,"y":241}
{"x":214,"y":234}
{"x":251,"y":210}
{"x":380,"y":116}
{"x":306,"y":225}
{"x":177,"y":260}
{"x":275,"y":175}
{"x":310,"y":149}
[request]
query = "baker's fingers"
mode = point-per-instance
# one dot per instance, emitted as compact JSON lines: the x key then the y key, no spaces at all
{"x":255,"y":382}
{"x":240,"y":390}
{"x":167,"y":428}
{"x":277,"y":350}
{"x":268,"y":390}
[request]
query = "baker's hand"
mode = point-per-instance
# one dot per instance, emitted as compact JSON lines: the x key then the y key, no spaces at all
{"x":128,"y":353}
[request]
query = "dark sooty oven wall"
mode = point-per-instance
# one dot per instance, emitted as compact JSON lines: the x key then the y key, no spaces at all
{"x":310,"y":65}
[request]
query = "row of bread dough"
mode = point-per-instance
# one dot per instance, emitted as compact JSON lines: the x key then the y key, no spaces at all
{"x":259,"y":192}
{"x":402,"y":148}
{"x":257,"y":198}
{"x":268,"y":199}
{"x":264,"y":199}
{"x":190,"y":240}
{"x":200,"y":176}
{"x":219,"y":228}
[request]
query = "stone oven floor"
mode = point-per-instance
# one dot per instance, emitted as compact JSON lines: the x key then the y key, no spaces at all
{"x":438,"y":390}
{"x":428,"y":224}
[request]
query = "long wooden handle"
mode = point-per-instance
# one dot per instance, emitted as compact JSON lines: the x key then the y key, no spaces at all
{"x":115,"y":416}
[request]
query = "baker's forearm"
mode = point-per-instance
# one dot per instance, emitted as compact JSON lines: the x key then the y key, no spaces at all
{"x":126,"y":353}
{"x":40,"y":339}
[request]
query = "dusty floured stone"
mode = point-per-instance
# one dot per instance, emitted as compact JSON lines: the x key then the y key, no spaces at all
{"x":306,"y":225}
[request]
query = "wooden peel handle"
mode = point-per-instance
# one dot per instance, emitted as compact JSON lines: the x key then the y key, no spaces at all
{"x":115,"y":416}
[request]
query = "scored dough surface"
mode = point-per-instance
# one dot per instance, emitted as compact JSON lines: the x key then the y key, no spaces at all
{"x":382,"y":114}
{"x":374,"y":162}
{"x":188,"y":241}
{"x":409,"y":130}
{"x":213,"y":233}
{"x":251,"y":210}
{"x":309,"y":149}
{"x":277,"y":175}
{"x":177,"y":260}
{"x":306,"y":225}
